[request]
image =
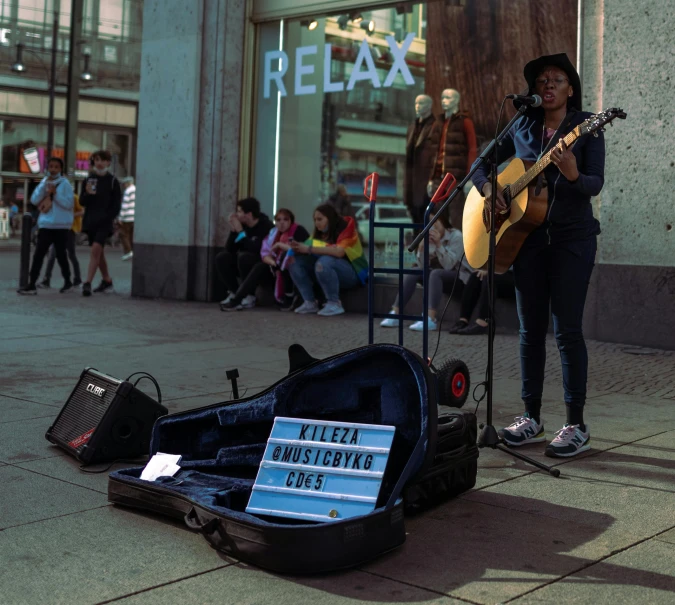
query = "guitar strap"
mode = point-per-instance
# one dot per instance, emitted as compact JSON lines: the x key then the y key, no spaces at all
{"x":554,"y":139}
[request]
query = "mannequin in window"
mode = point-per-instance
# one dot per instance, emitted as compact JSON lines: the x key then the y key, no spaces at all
{"x":419,"y":158}
{"x":454,"y":139}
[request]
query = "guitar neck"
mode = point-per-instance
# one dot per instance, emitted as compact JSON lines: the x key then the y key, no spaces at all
{"x":540,"y":166}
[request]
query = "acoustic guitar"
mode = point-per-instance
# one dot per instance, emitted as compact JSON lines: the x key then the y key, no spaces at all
{"x":526,"y":208}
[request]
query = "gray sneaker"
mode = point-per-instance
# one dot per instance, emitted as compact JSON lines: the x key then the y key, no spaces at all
{"x":248,"y":302}
{"x":522,"y":431}
{"x":307,"y":307}
{"x":332,"y":308}
{"x":569,"y":441}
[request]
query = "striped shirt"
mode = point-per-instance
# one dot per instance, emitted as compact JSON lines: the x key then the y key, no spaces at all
{"x":128,"y":204}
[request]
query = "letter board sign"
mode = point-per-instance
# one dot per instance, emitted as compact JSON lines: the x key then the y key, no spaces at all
{"x":321,"y":471}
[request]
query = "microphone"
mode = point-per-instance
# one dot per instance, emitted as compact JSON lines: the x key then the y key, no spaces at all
{"x":534,"y":100}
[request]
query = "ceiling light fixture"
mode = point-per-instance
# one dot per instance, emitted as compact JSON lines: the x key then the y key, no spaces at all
{"x":310,"y":24}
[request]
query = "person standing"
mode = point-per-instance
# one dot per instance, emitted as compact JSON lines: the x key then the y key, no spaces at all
{"x":102,"y":200}
{"x":126,"y":217}
{"x":76,"y":227}
{"x":553,"y":267}
{"x":54,"y":199}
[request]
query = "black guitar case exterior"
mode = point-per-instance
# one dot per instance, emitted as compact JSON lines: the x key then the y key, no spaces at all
{"x":222,"y":446}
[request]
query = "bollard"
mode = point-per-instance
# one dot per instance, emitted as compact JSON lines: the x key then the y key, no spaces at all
{"x":26,"y":228}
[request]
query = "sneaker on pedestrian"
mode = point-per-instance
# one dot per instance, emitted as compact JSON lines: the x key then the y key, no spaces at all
{"x":104,"y":287}
{"x":44,"y":284}
{"x":128,"y":256}
{"x":418,"y":326}
{"x":227,"y":299}
{"x":390,"y":322}
{"x":66,"y":287}
{"x":523,"y":430}
{"x":231,"y":305}
{"x":86,"y":289}
{"x":570,"y":440}
{"x":307,"y":307}
{"x":29,"y":290}
{"x":248,"y":302}
{"x":332,"y":308}
{"x":77,"y":282}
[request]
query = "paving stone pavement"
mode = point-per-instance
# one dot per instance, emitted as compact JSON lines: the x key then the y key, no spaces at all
{"x":602,"y":533}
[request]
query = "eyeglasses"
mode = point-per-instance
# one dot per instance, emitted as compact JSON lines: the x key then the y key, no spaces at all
{"x":545,"y":81}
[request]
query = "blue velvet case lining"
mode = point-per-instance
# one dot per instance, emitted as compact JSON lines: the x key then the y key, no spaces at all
{"x":222,"y":445}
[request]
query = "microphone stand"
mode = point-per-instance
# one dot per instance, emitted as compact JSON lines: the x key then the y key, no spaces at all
{"x":488,"y":436}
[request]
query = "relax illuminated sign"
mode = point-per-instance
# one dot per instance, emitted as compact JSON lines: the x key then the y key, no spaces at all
{"x":303,"y":70}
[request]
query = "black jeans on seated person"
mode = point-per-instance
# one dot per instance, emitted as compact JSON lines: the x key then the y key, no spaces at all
{"x":232,"y":267}
{"x":259,"y":275}
{"x":476,"y":291}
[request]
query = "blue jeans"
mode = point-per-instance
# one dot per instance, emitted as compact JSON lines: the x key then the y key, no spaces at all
{"x":330,"y":272}
{"x":557,"y":275}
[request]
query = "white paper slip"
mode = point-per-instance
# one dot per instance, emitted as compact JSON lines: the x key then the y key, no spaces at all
{"x":161,"y":465}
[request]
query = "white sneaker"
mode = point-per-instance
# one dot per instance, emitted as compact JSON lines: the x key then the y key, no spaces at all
{"x":248,"y":302}
{"x":570,"y":440}
{"x":128,"y":255}
{"x":332,"y":308}
{"x":418,"y":326}
{"x":389,"y":322}
{"x":523,"y":430}
{"x":230,"y":296}
{"x":307,"y":307}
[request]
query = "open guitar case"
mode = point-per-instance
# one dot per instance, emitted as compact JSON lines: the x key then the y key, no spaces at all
{"x":432,"y":458}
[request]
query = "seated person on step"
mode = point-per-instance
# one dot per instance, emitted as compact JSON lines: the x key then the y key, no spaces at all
{"x":333,"y":257}
{"x":446,"y":249}
{"x":476,"y":292}
{"x":273,"y":266}
{"x":242,"y":250}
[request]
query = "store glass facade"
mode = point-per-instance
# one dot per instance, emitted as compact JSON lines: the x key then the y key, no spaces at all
{"x":335,"y":95}
{"x":340,"y":111}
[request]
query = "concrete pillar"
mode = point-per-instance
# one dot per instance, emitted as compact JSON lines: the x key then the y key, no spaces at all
{"x":188,"y":143}
{"x":629,"y":63}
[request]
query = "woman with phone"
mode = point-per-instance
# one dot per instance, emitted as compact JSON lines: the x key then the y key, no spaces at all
{"x":333,"y":257}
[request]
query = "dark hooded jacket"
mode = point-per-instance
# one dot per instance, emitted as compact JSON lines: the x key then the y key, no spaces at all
{"x":101,"y":208}
{"x":570,"y":213}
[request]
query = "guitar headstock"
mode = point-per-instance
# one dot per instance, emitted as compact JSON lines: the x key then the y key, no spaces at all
{"x":596,"y":122}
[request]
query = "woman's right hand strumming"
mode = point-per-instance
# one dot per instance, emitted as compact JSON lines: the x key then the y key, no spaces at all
{"x":500,"y":204}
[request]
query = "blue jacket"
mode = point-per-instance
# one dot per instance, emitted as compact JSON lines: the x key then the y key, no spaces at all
{"x":570,"y":214}
{"x":60,"y":216}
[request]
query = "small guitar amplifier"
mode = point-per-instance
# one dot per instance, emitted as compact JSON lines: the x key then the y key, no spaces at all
{"x":105,"y":419}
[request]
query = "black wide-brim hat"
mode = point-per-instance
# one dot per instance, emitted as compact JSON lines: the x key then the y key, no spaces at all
{"x":561,"y":61}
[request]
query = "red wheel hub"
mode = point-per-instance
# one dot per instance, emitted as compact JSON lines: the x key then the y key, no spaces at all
{"x":458,"y":384}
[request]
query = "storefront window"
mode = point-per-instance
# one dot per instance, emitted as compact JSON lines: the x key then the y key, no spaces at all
{"x":339,"y":115}
{"x":336,"y":94}
{"x":17,"y":135}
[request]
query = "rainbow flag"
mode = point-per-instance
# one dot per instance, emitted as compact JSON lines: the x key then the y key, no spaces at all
{"x":349,"y":240}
